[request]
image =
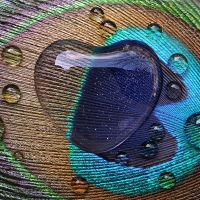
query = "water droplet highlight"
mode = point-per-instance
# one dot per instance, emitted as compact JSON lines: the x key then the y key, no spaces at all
{"x":2,"y":128}
{"x":178,"y":63}
{"x":18,"y":155}
{"x":192,"y":129}
{"x":149,"y":149}
{"x":122,"y":158}
{"x":174,"y":90}
{"x":167,"y":180}
{"x":156,"y":132}
{"x":96,"y":14}
{"x":12,"y":56}
{"x":79,"y":185}
{"x":107,"y":28}
{"x":154,"y":30}
{"x":11,"y":93}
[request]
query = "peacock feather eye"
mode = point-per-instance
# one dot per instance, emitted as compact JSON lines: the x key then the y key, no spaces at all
{"x":99,"y":99}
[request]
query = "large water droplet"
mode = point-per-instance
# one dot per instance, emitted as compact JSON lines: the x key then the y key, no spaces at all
{"x":12,"y":56}
{"x":174,"y":90}
{"x":154,"y":30}
{"x":157,"y":132}
{"x":96,"y":14}
{"x":192,"y":129}
{"x":11,"y":93}
{"x":122,"y":158}
{"x":167,"y":180}
{"x":1,"y":128}
{"x":79,"y":185}
{"x":107,"y":28}
{"x":149,"y":149}
{"x":178,"y":63}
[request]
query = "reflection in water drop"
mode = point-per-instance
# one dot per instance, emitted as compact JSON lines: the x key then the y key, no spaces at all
{"x":1,"y":128}
{"x":96,"y":14}
{"x":107,"y":28}
{"x":157,"y":132}
{"x":167,"y":180}
{"x":12,"y":56}
{"x":79,"y":185}
{"x":11,"y":93}
{"x":18,"y":155}
{"x":149,"y":149}
{"x":173,"y":90}
{"x":178,"y":63}
{"x":154,"y":30}
{"x":192,"y":129}
{"x":122,"y":158}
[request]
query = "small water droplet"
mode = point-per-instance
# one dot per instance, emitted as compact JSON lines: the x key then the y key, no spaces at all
{"x":154,"y":30}
{"x":12,"y":56}
{"x":167,"y":180}
{"x":149,"y":149}
{"x":1,"y":128}
{"x":157,"y":132}
{"x":122,"y":158}
{"x":173,"y":90}
{"x":96,"y":14}
{"x":18,"y":155}
{"x":178,"y":63}
{"x":107,"y":28}
{"x":79,"y":185}
{"x":192,"y":129}
{"x":11,"y":93}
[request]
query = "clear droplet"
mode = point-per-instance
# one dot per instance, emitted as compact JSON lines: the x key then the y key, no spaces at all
{"x":192,"y":129}
{"x":2,"y":128}
{"x":107,"y":28}
{"x":11,"y":93}
{"x":149,"y":149}
{"x":154,"y":30}
{"x":122,"y":158}
{"x":157,"y":132}
{"x":167,"y":180}
{"x":12,"y":56}
{"x":79,"y":185}
{"x":178,"y":63}
{"x":96,"y":14}
{"x":18,"y":155}
{"x":174,"y":90}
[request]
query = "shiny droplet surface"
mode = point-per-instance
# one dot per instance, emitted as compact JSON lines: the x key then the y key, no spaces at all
{"x":149,"y":149}
{"x":79,"y":185}
{"x":96,"y":14}
{"x":174,"y":91}
{"x":156,"y":132}
{"x":18,"y":155}
{"x":12,"y":56}
{"x":192,"y":129}
{"x":167,"y":180}
{"x":122,"y":158}
{"x":178,"y":63}
{"x":11,"y":93}
{"x":154,"y":30}
{"x":2,"y":128}
{"x":107,"y":28}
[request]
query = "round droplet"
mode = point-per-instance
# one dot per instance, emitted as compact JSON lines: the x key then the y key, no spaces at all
{"x":11,"y":93}
{"x":149,"y":149}
{"x":79,"y":185}
{"x":174,"y":90}
{"x":18,"y":155}
{"x":178,"y":63}
{"x":96,"y":14}
{"x":154,"y":30}
{"x":157,"y":132}
{"x":12,"y":56}
{"x":167,"y":180}
{"x":1,"y":128}
{"x":122,"y":158}
{"x":192,"y":129}
{"x":107,"y":28}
